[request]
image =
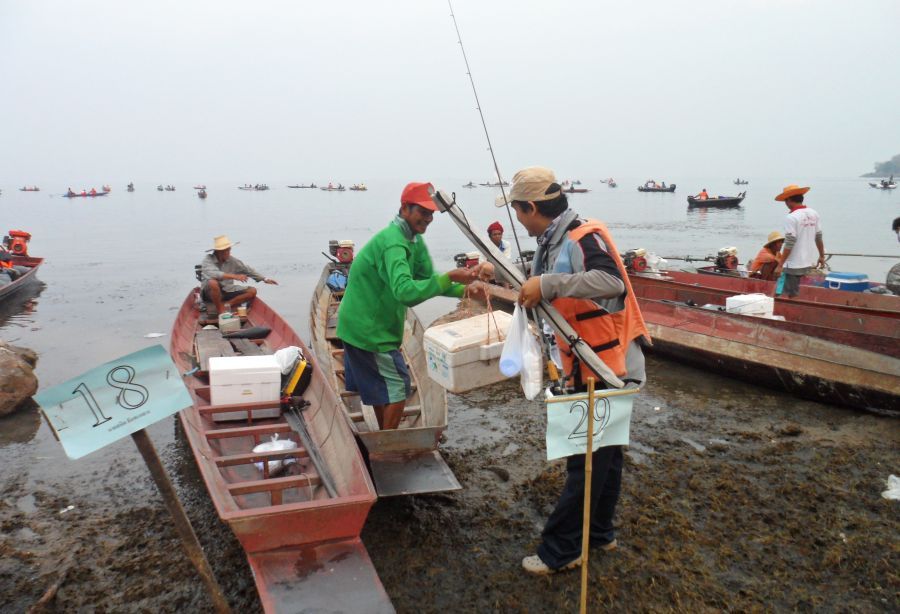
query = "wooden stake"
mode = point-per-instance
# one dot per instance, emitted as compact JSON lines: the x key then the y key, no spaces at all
{"x":181,"y":521}
{"x":588,"y":470}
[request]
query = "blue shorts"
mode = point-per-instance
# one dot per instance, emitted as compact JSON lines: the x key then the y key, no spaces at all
{"x":380,"y":378}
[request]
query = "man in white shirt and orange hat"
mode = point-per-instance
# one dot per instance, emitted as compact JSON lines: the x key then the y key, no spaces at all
{"x":803,"y":246}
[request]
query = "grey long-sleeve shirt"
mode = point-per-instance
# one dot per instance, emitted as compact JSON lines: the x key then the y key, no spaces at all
{"x":212,"y":269}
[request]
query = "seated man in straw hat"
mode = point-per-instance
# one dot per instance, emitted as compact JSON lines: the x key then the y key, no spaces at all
{"x":802,"y":239}
{"x":218,"y":273}
{"x":767,"y":264}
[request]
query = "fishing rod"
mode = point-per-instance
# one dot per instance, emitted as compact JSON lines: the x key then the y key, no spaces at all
{"x":829,"y":255}
{"x":487,"y":136}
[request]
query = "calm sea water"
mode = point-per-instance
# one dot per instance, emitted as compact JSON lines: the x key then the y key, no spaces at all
{"x":118,"y":267}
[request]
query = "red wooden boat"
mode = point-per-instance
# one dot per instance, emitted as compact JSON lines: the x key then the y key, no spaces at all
{"x":856,"y":302}
{"x":22,"y":267}
{"x":759,"y":351}
{"x":302,"y":543}
{"x":30,"y":266}
{"x":824,"y":354}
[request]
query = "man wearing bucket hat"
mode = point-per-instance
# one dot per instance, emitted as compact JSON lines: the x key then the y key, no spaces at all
{"x":578,"y":269}
{"x":392,"y":272}
{"x":767,"y":264}
{"x":804,"y":248}
{"x":218,"y":273}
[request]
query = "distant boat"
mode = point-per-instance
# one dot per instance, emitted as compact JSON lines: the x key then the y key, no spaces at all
{"x":495,"y":184}
{"x":259,"y":187}
{"x":199,"y":187}
{"x":159,"y":188}
{"x":201,"y":193}
{"x":170,"y":188}
{"x":652,"y":186}
{"x":33,"y":188}
{"x":301,"y":186}
{"x":470,"y":185}
{"x":612,"y":183}
{"x":741,"y":182}
{"x":884,"y":184}
{"x":85,"y":194}
{"x":130,"y":187}
{"x":333,"y":188}
{"x":358,"y":187}
{"x":720,"y":202}
{"x":574,"y":190}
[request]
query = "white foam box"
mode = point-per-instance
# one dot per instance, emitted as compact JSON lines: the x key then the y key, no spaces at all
{"x":750,"y":304}
{"x":244,"y":379}
{"x":461,"y":356}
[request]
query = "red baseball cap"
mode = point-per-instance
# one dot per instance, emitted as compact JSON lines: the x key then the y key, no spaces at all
{"x":416,"y":193}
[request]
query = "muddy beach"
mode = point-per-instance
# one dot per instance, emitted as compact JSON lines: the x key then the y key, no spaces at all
{"x":734,"y":498}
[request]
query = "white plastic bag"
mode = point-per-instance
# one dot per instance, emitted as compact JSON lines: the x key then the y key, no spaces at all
{"x":287,"y":358}
{"x":276,"y":445}
{"x":532,"y":373}
{"x":893,"y":491}
{"x":511,"y":357}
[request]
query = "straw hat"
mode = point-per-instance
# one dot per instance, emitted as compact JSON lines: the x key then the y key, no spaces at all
{"x":791,"y":190}
{"x":774,"y":236}
{"x":220,"y":243}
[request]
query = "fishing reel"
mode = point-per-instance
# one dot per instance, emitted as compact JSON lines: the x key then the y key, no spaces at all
{"x":635,"y":260}
{"x":727,"y":259}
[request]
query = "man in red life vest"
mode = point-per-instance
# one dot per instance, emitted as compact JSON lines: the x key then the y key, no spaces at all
{"x":578,"y":269}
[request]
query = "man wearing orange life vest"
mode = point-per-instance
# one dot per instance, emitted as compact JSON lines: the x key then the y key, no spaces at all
{"x":578,"y":269}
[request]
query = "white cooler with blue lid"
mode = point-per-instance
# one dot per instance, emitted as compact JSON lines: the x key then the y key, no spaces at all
{"x":850,"y":282}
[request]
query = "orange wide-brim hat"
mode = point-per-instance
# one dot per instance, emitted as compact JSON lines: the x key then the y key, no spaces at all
{"x":791,"y":190}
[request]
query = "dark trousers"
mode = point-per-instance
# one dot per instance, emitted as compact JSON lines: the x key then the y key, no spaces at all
{"x":562,"y":534}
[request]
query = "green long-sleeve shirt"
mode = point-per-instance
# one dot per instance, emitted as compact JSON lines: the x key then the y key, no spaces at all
{"x":391,"y":272}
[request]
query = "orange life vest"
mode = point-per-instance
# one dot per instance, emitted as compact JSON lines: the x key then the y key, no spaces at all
{"x":608,"y":334}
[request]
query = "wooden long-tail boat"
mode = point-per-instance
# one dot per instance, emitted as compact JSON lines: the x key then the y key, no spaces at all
{"x":761,"y":352}
{"x":404,"y":460}
{"x":857,"y":302}
{"x":30,"y":266}
{"x":301,"y":540}
{"x":818,"y":353}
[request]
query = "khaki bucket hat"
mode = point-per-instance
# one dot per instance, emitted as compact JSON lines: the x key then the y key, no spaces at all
{"x":531,"y":185}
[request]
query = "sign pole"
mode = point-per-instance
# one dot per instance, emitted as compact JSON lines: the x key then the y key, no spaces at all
{"x":182,"y":523}
{"x":588,"y":470}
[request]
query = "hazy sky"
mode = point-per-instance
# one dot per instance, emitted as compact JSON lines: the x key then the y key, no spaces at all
{"x":210,"y":90}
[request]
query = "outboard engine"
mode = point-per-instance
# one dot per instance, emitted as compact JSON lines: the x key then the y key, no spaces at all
{"x":727,"y":259}
{"x":635,"y":260}
{"x":17,"y":242}
{"x":342,"y":250}
{"x":467,"y":260}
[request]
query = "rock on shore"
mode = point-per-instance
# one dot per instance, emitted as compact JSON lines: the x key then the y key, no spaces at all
{"x":17,"y":379}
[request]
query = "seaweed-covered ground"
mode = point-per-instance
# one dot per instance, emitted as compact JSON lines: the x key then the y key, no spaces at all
{"x":735,"y":497}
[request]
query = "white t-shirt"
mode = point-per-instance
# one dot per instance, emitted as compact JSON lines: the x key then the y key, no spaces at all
{"x":803,"y":224}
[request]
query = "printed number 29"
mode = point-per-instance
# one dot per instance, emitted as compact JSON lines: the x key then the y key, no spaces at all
{"x":123,"y":385}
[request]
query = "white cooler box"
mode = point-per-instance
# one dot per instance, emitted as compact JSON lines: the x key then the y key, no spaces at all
{"x":460,"y":355}
{"x":750,"y":304}
{"x":244,"y":379}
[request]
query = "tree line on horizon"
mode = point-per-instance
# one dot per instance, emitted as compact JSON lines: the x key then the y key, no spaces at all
{"x":883,"y":169}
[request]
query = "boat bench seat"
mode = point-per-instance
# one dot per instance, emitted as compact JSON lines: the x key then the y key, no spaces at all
{"x":210,"y":343}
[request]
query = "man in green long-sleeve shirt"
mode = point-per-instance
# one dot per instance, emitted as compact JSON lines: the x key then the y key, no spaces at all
{"x":392,"y":272}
